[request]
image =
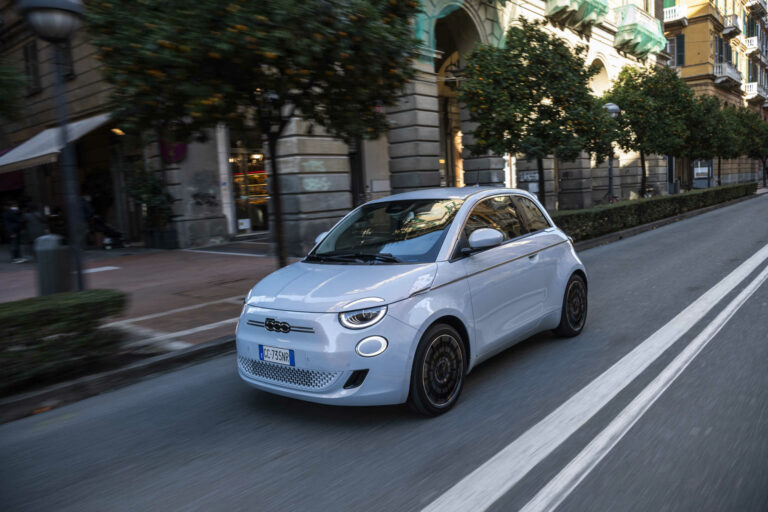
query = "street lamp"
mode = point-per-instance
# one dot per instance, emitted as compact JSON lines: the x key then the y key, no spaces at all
{"x":613,"y":111}
{"x":55,"y":21}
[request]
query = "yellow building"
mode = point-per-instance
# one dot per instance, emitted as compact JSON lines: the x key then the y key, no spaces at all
{"x":720,"y":48}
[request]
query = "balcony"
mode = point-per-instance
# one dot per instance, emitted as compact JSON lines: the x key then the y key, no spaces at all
{"x":726,"y":75}
{"x":639,"y":33}
{"x":755,"y":92}
{"x":579,"y":15}
{"x":757,"y":7}
{"x":753,"y":50}
{"x":731,"y":26}
{"x":676,"y":15}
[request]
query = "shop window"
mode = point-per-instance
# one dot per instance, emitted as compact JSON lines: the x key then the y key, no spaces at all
{"x":32,"y":67}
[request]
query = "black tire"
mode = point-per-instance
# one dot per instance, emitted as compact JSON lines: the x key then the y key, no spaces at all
{"x":574,"y":313}
{"x":439,"y":366}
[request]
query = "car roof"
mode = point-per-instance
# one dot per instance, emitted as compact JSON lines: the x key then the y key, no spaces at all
{"x":446,"y":193}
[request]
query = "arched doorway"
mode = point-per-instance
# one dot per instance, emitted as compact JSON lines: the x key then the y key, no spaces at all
{"x":455,"y":36}
{"x":600,"y":82}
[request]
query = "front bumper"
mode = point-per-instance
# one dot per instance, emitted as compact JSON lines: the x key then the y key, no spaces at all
{"x":325,"y":358}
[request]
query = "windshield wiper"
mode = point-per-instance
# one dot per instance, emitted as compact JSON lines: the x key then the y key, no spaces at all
{"x":352,"y":256}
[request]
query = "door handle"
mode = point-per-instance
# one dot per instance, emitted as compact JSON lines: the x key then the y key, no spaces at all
{"x":533,"y":257}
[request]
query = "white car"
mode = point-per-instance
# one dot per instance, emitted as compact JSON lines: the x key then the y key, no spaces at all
{"x":406,"y":294}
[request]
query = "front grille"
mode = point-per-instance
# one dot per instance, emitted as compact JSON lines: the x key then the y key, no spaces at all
{"x":272,"y":325}
{"x":287,"y":375}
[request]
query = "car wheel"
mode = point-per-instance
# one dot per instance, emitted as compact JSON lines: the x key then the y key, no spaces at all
{"x":574,"y":314}
{"x":438,"y":371}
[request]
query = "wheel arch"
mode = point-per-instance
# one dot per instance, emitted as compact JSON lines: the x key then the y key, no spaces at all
{"x":457,"y":324}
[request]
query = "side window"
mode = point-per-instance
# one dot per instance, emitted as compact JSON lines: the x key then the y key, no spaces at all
{"x":534,"y":219}
{"x":497,"y":213}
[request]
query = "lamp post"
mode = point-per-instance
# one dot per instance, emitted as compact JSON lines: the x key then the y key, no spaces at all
{"x":55,"y":21}
{"x":613,"y":111}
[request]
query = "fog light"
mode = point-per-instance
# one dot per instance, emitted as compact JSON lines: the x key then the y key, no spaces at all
{"x":371,"y":346}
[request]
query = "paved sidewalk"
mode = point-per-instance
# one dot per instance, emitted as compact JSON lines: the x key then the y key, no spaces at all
{"x":176,"y":298}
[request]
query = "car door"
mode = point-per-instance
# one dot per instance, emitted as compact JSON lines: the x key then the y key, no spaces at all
{"x":549,"y":246}
{"x":504,"y":297}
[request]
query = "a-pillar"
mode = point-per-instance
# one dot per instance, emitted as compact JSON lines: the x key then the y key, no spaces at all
{"x":414,"y":136}
{"x":314,"y":184}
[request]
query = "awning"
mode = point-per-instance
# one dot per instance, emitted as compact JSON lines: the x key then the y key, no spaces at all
{"x":44,"y":148}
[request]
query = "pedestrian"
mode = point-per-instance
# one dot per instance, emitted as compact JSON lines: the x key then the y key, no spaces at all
{"x":35,"y":227}
{"x":14,"y":225}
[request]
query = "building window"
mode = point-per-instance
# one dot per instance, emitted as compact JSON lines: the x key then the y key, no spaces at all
{"x":68,"y":64}
{"x":32,"y":67}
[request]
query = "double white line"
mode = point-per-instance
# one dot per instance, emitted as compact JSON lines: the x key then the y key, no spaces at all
{"x":484,"y":486}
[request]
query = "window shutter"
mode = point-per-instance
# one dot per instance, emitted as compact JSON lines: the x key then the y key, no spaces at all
{"x":680,"y":50}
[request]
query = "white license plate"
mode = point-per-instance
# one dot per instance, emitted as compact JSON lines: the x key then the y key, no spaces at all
{"x":276,"y":355}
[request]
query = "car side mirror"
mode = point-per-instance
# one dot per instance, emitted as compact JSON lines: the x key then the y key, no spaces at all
{"x":319,"y":238}
{"x":484,"y":238}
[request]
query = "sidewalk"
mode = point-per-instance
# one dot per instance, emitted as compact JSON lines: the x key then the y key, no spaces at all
{"x":176,"y":298}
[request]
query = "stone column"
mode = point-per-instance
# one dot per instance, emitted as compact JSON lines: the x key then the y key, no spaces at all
{"x":527,"y":179}
{"x":315,"y":183}
{"x":414,"y":138}
{"x":575,"y":183}
{"x":487,"y":169}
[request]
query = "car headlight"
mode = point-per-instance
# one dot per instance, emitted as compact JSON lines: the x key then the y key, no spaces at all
{"x":362,"y":318}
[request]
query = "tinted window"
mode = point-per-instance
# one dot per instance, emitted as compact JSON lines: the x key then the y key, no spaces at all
{"x":497,"y":213}
{"x":392,"y":231}
{"x":534,"y":219}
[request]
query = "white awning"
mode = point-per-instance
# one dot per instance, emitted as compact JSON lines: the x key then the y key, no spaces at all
{"x":44,"y":148}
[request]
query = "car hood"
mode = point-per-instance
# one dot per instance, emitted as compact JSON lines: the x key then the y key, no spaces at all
{"x":328,"y":288}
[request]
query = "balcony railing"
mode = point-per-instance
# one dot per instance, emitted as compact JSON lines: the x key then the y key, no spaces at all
{"x":639,"y":33}
{"x":580,"y":15}
{"x":757,"y":7}
{"x":726,"y":74}
{"x":676,"y":14}
{"x":752,"y":45}
{"x":732,"y":25}
{"x":755,"y":92}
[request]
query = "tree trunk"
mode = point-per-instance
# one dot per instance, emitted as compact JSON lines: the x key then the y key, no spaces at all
{"x":643,"y":179}
{"x":542,"y":194}
{"x":719,"y":168}
{"x":765,"y":171}
{"x":277,"y":201}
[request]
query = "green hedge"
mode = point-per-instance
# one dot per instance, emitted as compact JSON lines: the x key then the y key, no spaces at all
{"x":604,"y":219}
{"x":51,"y":338}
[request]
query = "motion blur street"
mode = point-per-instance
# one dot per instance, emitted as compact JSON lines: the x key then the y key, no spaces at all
{"x":200,"y":439}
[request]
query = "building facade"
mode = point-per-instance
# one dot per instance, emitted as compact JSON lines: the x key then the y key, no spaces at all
{"x":720,"y":48}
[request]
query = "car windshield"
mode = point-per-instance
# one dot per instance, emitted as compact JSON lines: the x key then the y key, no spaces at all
{"x":389,"y":232}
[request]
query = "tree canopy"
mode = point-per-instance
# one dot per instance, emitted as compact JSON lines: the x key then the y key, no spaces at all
{"x":532,"y":97}
{"x":654,"y":103}
{"x":180,"y":66}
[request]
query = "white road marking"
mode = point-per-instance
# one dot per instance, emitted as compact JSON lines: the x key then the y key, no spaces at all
{"x":551,"y":495}
{"x":237,"y":299}
{"x":481,"y":488}
{"x":186,"y":332}
{"x":99,"y":269}
{"x":252,"y":255}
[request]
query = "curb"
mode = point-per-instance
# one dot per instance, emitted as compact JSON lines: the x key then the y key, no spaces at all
{"x":33,"y":402}
{"x":626,"y":233}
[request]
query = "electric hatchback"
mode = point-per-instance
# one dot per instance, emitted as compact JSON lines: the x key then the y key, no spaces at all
{"x":406,"y":294}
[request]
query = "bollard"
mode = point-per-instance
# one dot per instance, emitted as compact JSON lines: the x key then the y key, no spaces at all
{"x":54,"y":267}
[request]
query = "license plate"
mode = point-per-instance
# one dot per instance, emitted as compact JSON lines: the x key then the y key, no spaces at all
{"x":276,"y":355}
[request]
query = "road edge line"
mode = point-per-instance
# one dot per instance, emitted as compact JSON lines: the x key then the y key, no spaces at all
{"x":562,"y":485}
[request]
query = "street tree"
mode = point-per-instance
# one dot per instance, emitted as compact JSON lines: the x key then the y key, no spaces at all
{"x":704,"y":120}
{"x":729,"y":138}
{"x":532,"y":97}
{"x":654,"y":103}
{"x":755,"y":138}
{"x":11,"y":86}
{"x":179,"y":67}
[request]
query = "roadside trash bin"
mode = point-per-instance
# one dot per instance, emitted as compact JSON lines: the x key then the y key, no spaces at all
{"x":54,"y":268}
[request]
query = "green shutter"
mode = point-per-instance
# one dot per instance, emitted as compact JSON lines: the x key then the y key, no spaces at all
{"x":669,"y":3}
{"x":680,"y":49}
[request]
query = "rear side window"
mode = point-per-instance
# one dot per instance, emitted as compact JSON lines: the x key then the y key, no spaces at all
{"x":534,"y":219}
{"x":497,"y":213}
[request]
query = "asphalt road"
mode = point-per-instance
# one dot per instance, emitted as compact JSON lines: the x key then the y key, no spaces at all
{"x":199,"y":439}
